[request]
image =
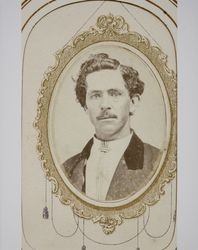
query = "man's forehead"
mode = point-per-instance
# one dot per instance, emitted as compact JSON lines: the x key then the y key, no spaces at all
{"x":105,"y":79}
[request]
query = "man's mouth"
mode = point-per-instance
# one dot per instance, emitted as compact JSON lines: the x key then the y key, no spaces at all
{"x":106,"y":117}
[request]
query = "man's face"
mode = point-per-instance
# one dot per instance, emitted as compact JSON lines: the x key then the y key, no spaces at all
{"x":108,"y":104}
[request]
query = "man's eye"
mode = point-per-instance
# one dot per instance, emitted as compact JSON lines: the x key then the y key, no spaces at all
{"x":95,"y":96}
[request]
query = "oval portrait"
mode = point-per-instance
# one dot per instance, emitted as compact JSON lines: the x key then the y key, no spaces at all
{"x":109,"y":123}
{"x":106,"y":121}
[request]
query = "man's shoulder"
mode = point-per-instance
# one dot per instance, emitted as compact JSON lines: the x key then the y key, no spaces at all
{"x":147,"y":147}
{"x":150,"y":149}
{"x":70,"y":163}
{"x":152,"y":156}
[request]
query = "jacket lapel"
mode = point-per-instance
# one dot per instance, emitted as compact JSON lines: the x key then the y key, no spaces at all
{"x":124,"y":181}
{"x":77,"y":167}
{"x":134,"y":154}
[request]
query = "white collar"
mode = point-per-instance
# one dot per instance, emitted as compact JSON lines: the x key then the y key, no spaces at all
{"x":111,"y":145}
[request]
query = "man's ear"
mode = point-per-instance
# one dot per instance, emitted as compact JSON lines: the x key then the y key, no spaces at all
{"x":85,"y":108}
{"x":135,"y":101}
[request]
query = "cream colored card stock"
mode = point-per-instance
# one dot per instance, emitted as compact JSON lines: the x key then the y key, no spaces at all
{"x":99,"y":125}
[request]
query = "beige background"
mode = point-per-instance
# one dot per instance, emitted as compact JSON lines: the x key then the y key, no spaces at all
{"x":48,"y":36}
{"x":10,"y":125}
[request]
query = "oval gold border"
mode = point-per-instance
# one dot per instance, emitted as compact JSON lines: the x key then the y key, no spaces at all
{"x":108,"y":28}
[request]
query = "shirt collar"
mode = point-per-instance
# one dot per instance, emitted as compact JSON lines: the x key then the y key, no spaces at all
{"x":133,"y":155}
{"x":111,"y":145}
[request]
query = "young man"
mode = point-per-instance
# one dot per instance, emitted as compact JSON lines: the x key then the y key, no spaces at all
{"x":115,"y":163}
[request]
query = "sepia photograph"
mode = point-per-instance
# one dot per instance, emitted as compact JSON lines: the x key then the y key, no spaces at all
{"x":108,"y":123}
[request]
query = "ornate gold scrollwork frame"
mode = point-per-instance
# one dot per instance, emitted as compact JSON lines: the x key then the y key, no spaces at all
{"x":108,"y":28}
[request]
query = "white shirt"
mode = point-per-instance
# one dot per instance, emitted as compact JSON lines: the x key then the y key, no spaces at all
{"x":101,"y":165}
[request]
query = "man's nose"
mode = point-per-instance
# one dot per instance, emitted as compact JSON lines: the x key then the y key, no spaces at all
{"x":105,"y":102}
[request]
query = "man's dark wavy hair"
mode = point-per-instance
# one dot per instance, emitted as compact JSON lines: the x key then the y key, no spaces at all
{"x":102,"y":61}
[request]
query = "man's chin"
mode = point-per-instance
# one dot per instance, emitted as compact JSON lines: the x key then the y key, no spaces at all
{"x":106,"y":134}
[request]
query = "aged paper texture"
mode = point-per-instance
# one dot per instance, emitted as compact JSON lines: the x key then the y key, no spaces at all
{"x":99,"y":125}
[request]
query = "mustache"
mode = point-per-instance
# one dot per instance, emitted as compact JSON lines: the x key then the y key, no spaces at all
{"x":105,"y":115}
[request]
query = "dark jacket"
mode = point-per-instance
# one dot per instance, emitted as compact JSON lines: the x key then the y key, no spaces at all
{"x":136,"y":167}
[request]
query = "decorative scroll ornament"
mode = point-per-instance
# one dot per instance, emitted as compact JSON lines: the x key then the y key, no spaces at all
{"x":112,"y":25}
{"x":114,"y":29}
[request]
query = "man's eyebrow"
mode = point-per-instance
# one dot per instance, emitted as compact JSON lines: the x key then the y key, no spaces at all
{"x":95,"y":91}
{"x":115,"y":89}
